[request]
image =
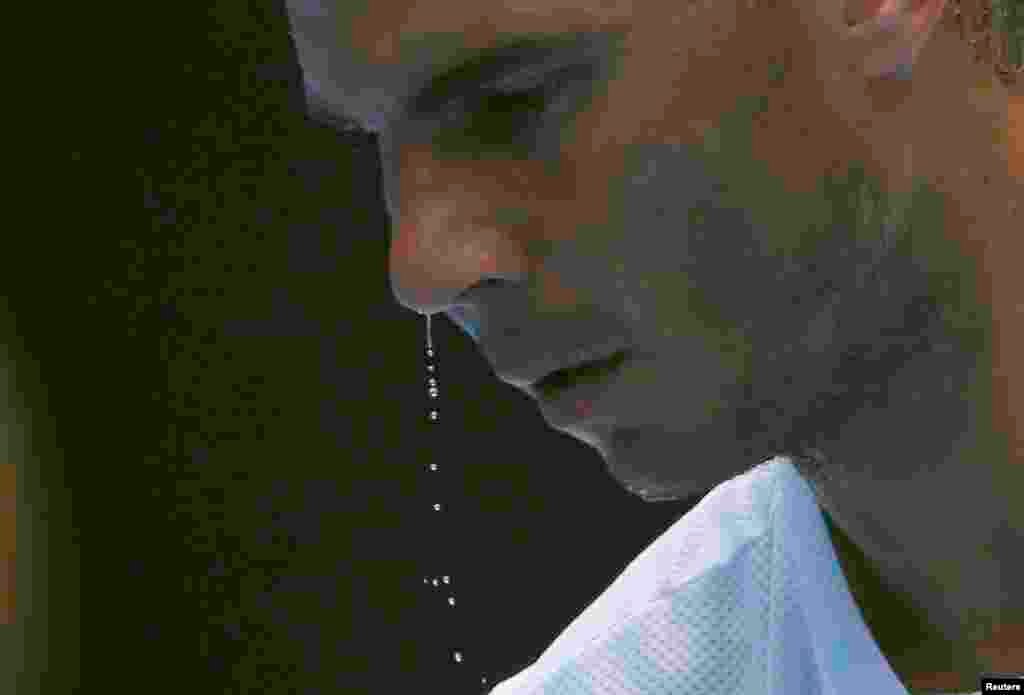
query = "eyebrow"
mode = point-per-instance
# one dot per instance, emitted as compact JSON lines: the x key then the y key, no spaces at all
{"x":516,"y":63}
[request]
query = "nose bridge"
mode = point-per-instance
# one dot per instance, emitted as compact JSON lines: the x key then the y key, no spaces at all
{"x":389,"y":169}
{"x":444,"y":236}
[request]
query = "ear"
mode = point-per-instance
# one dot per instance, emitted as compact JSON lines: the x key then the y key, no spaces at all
{"x":887,"y":35}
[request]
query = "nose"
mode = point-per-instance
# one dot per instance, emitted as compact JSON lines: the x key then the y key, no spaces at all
{"x":435,"y":255}
{"x":444,"y":235}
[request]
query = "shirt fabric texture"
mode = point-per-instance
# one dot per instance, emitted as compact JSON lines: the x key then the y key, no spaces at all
{"x":743,"y":595}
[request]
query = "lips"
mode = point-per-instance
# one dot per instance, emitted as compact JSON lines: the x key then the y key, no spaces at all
{"x":589,"y":372}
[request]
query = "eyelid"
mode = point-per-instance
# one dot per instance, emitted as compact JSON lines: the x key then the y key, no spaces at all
{"x":525,"y":79}
{"x":553,"y":81}
{"x":513,"y":67}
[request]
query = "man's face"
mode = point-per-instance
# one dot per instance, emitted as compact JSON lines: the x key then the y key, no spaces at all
{"x":677,"y":185}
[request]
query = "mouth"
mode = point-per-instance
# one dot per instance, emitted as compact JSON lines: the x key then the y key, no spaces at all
{"x":586,"y":374}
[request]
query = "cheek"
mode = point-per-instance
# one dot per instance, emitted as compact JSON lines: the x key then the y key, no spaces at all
{"x":554,"y":293}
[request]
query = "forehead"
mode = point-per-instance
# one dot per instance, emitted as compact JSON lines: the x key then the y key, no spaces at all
{"x":360,"y":57}
{"x":337,"y":73}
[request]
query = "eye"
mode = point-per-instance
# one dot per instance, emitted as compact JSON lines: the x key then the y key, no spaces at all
{"x":504,"y":118}
{"x":493,"y":122}
{"x":507,"y":113}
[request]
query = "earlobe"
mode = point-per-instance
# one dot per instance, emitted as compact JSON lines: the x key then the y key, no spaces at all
{"x":892,"y":33}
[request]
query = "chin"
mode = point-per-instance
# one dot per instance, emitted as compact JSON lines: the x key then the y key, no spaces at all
{"x":659,"y":465}
{"x":593,"y":439}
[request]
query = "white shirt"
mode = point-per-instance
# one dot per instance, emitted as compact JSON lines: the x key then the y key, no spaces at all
{"x":743,"y":595}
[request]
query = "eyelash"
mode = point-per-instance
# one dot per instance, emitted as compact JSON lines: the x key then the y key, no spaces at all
{"x":495,"y":119}
{"x":511,"y":104}
{"x":511,"y":114}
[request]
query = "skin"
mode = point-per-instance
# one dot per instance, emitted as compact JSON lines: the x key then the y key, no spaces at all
{"x":698,"y":197}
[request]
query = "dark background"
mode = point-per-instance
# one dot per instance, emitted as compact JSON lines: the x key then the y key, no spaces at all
{"x":228,"y":406}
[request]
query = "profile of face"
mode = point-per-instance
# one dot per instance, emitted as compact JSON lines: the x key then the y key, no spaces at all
{"x":680,"y":226}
